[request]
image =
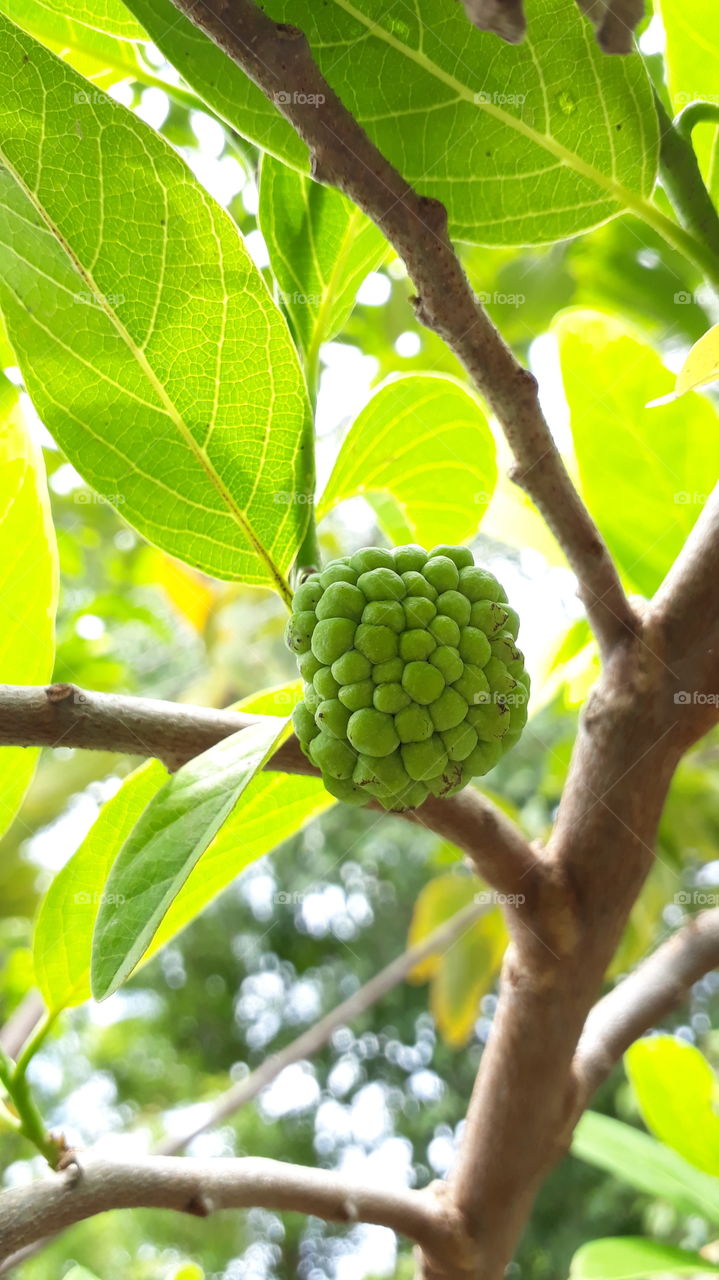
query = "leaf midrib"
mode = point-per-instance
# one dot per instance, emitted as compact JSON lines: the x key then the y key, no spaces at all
{"x":167,"y":404}
{"x":544,"y":140}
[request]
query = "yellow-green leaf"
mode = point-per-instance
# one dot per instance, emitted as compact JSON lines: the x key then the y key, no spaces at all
{"x":423,"y":441}
{"x":677,"y":1094}
{"x":702,"y":364}
{"x":28,"y":582}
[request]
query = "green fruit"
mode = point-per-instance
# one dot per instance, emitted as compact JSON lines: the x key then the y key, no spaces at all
{"x":381,"y":584}
{"x":300,"y":630}
{"x":445,"y":631}
{"x":409,"y":559}
{"x":332,"y":717}
{"x":416,"y":644}
{"x":488,"y":617}
{"x":385,"y":613}
{"x":424,"y":760}
{"x":461,"y":556}
{"x":307,"y":595}
{"x":356,"y":696}
{"x":331,"y":638}
{"x":477,"y":584}
{"x":418,"y":611}
{"x":337,"y":572}
{"x":417,"y":585}
{"x":372,"y":732}
{"x":309,"y":665}
{"x":448,"y":711}
{"x":341,"y":600}
{"x":448,"y":661}
{"x":371,"y":558}
{"x":325,"y":684}
{"x":388,"y":672}
{"x":350,"y":667}
{"x":460,"y":741}
{"x":332,"y":756}
{"x":452,"y":604}
{"x":379,"y":644}
{"x":474,"y":646}
{"x":413,"y":681}
{"x":390,"y":698}
{"x":441,"y":572}
{"x":414,"y":724}
{"x":422,"y":682}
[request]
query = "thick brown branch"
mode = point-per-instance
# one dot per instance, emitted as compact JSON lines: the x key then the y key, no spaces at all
{"x":64,"y":715}
{"x":202,"y":1187}
{"x":644,"y":998}
{"x":277,"y":58}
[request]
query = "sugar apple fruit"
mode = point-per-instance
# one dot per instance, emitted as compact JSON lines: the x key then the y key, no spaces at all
{"x":413,"y":680}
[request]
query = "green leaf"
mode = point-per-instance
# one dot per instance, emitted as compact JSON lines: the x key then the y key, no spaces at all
{"x":677,"y":1094}
{"x":102,"y":58}
{"x":644,"y":471}
{"x":702,"y":364}
{"x":28,"y":582}
{"x":423,"y":440}
{"x":167,"y":376}
{"x":691,"y":57}
{"x":166,"y":843}
{"x":644,"y":1163}
{"x":110,"y":17}
{"x":555,"y":136}
{"x":272,"y":808}
{"x":631,"y":1258}
{"x":321,"y":247}
{"x":65,"y":924}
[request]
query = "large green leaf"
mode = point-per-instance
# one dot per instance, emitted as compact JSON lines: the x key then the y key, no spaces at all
{"x":692,"y":56}
{"x":146,"y":335}
{"x":677,"y":1094}
{"x":102,"y":57}
{"x":644,"y":1163}
{"x":555,"y":136}
{"x":28,"y":582}
{"x":108,"y":16}
{"x":645,"y":472}
{"x":65,"y":924}
{"x":321,"y":247}
{"x":422,"y":440}
{"x":168,"y":840}
{"x":631,"y":1258}
{"x":272,"y":808}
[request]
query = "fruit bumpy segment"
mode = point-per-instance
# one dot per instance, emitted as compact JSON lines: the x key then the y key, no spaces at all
{"x":413,"y":680}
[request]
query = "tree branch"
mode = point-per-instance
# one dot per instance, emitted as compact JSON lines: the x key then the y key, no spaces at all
{"x":277,"y":58}
{"x":644,"y":998}
{"x":201,"y":1187}
{"x":64,"y":715}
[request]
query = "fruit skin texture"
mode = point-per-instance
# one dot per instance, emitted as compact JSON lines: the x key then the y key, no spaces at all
{"x":413,"y":680}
